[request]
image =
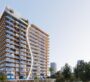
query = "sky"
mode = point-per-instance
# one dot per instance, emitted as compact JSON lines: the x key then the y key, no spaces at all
{"x":66,"y":21}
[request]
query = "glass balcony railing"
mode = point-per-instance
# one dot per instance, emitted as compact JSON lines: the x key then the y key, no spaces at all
{"x":10,"y":32}
{"x":17,"y":52}
{"x":16,"y":57}
{"x":11,"y":65}
{"x":9,"y":41}
{"x":17,"y":61}
{"x":10,"y":51}
{"x":23,"y":41}
{"x":9,"y":36}
{"x":7,"y":26}
{"x":10,"y":55}
{"x":10,"y":46}
{"x":10,"y":18}
{"x":23,"y":58}
{"x":9,"y":60}
{"x":9,"y":22}
{"x":17,"y":65}
{"x":17,"y":69}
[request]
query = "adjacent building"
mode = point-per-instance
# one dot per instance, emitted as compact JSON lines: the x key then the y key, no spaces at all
{"x":23,"y":47}
{"x":53,"y":68}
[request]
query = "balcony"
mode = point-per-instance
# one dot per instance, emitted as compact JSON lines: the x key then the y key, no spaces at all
{"x":17,"y":57}
{"x":17,"y":52}
{"x":9,"y":27}
{"x":22,"y":66}
{"x":10,"y":46}
{"x":17,"y":65}
{"x":22,"y":45}
{"x":9,"y":60}
{"x":9,"y":18}
{"x":9,"y":22}
{"x":17,"y":61}
{"x":9,"y":36}
{"x":9,"y":69}
{"x":9,"y":41}
{"x":10,"y":55}
{"x":10,"y":51}
{"x":24,"y":42}
{"x":17,"y":35}
{"x":23,"y":50}
{"x":17,"y":70}
{"x":10,"y":32}
{"x":23,"y":58}
{"x":10,"y":65}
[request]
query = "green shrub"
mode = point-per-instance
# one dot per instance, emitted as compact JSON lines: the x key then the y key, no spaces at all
{"x":3,"y":77}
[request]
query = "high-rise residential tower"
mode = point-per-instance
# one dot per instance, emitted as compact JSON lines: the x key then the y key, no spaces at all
{"x":23,"y":47}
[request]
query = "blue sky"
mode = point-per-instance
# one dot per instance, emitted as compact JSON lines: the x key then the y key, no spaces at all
{"x":66,"y":21}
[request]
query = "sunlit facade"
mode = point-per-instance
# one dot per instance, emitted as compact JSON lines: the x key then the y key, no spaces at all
{"x":23,"y":47}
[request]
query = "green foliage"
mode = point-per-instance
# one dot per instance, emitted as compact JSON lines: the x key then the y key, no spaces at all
{"x":64,"y":75}
{"x":59,"y":77}
{"x":82,"y":71}
{"x":36,"y":77}
{"x":50,"y":69}
{"x":79,"y":69}
{"x":66,"y":72}
{"x":60,"y":80}
{"x":3,"y":77}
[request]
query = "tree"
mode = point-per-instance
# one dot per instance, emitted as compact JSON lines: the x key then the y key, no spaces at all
{"x":3,"y":77}
{"x":51,"y":70}
{"x":79,"y":70}
{"x":66,"y":72}
{"x":87,"y":71}
{"x":82,"y":71}
{"x":59,"y":77}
